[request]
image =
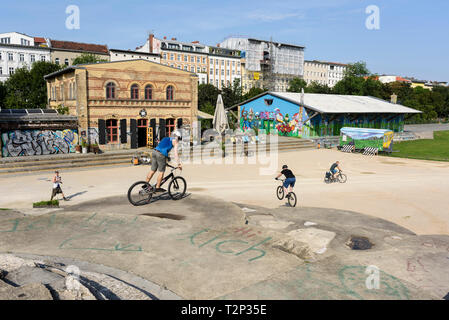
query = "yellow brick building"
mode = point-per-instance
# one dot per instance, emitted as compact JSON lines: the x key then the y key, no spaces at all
{"x":124,"y":104}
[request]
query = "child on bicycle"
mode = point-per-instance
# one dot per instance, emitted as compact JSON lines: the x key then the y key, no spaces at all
{"x":289,"y":181}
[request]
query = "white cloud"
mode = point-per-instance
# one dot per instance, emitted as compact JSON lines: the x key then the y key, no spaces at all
{"x":273,"y":16}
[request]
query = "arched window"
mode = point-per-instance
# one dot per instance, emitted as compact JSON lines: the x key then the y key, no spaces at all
{"x":170,"y":92}
{"x":110,"y":90}
{"x":148,"y":92}
{"x":112,"y":130}
{"x":135,"y":91}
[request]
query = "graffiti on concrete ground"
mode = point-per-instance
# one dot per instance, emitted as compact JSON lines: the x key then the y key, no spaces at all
{"x":38,"y":142}
{"x":306,"y":283}
{"x":82,"y":233}
{"x":225,"y":243}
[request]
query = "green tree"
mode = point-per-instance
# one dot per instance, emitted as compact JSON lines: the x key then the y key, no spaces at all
{"x":357,"y":69}
{"x":85,"y":58}
{"x":207,"y":94}
{"x":296,"y":84}
{"x":316,"y":87}
{"x":2,"y":94}
{"x":232,"y":95}
{"x":350,"y":85}
{"x":18,"y":90}
{"x":27,"y":89}
{"x":373,"y":88}
{"x":440,"y":98}
{"x":255,"y":91}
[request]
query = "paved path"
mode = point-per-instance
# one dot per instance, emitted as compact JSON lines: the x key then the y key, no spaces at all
{"x":411,"y":193}
{"x":426,"y":127}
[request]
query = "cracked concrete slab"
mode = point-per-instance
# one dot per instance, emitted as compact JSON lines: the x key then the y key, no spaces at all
{"x":316,"y":239}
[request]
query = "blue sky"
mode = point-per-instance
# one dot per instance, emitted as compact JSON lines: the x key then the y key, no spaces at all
{"x":413,"y":39}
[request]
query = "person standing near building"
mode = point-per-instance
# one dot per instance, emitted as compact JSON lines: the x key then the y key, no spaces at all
{"x":57,"y":181}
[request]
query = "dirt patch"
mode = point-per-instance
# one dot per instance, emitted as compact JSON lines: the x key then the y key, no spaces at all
{"x":197,"y":189}
{"x":393,"y":162}
{"x":165,"y":216}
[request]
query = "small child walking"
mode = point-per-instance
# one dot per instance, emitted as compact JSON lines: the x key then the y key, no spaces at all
{"x":57,"y":181}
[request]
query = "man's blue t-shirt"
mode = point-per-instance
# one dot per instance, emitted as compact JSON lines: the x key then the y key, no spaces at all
{"x":165,"y":146}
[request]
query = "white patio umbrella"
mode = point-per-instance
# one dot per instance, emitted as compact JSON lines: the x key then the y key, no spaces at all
{"x":220,"y":122}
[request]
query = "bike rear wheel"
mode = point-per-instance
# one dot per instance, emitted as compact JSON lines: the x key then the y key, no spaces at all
{"x":177,"y":188}
{"x":342,"y":178}
{"x":292,"y":199}
{"x":139,"y":193}
{"x":280,"y":192}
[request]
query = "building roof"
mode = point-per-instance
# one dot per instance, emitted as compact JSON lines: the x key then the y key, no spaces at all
{"x":78,"y":46}
{"x":135,"y":52}
{"x":25,"y":47}
{"x":334,"y":103}
{"x":39,"y":40}
{"x":277,"y":42}
{"x":14,"y":115}
{"x":83,"y":66}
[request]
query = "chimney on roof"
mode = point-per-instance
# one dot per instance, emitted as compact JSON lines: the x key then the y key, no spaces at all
{"x":394,"y":98}
{"x":174,"y":39}
{"x":165,"y":38}
{"x":150,"y":40}
{"x":196,"y":41}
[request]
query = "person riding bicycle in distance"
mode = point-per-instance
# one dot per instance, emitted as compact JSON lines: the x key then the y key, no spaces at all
{"x":334,"y":168}
{"x":290,"y":179}
{"x":159,"y":157}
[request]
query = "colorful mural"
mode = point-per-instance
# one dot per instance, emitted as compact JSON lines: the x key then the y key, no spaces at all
{"x":362,"y":137}
{"x":285,"y":118}
{"x":268,"y":116}
{"x":38,"y":142}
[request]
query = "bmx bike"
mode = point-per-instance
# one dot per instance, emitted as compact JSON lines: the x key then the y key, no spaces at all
{"x":340,"y":177}
{"x":141,"y":192}
{"x":291,"y":196}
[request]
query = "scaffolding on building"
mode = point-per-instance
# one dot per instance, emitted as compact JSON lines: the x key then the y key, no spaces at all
{"x":269,"y":58}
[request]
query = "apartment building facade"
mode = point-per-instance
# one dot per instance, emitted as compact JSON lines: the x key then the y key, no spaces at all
{"x":316,"y":71}
{"x":192,"y":57}
{"x":18,"y":50}
{"x":267,"y":64}
{"x":64,"y":52}
{"x":323,"y":72}
{"x":224,"y":67}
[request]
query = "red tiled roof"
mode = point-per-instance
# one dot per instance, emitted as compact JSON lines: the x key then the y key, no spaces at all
{"x":402,"y":79}
{"x":39,"y":40}
{"x":69,"y":45}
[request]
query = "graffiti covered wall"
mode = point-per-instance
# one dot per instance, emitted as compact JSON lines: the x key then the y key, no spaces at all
{"x":38,"y":142}
{"x":271,"y":113}
{"x":288,"y":119}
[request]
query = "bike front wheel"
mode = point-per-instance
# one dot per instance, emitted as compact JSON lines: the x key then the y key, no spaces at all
{"x":292,"y":199}
{"x":177,"y":188}
{"x":139,"y":193}
{"x":342,"y":178}
{"x":280,"y":192}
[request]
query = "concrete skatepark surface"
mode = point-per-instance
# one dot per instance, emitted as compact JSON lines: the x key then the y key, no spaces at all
{"x":203,"y":248}
{"x":232,"y":239}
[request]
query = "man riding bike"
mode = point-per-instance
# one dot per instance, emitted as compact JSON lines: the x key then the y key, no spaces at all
{"x":334,"y":168}
{"x":290,"y":179}
{"x":159,"y":158}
